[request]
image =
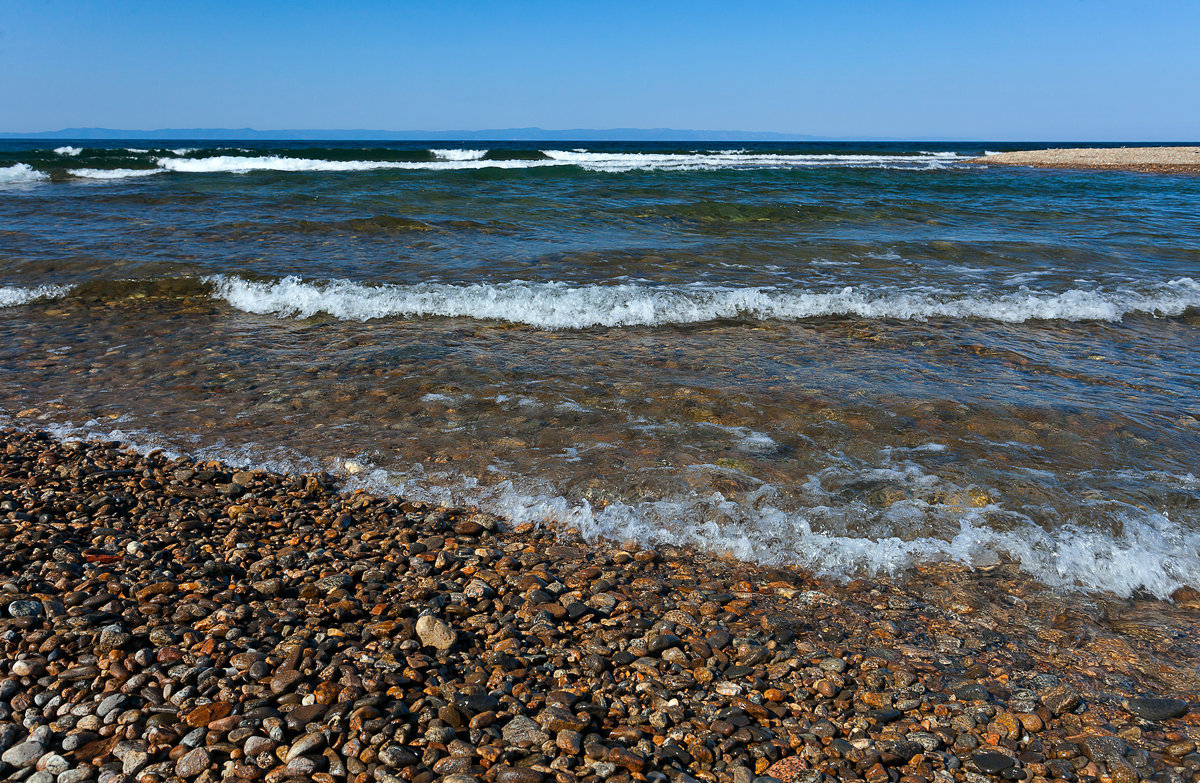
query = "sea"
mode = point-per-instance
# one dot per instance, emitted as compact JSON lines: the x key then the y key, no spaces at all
{"x":855,"y":358}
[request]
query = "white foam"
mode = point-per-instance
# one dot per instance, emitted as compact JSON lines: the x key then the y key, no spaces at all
{"x":11,"y":296}
{"x":113,"y":173}
{"x":629,"y":161}
{"x":68,"y":151}
{"x":454,"y":154}
{"x":747,"y":440}
{"x":20,"y":174}
{"x":1151,"y":552}
{"x":240,"y":164}
{"x":454,"y":159}
{"x":562,"y":306}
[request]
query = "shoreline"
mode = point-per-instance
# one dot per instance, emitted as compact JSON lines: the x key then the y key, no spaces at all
{"x":172,"y":619}
{"x":1155,"y":160}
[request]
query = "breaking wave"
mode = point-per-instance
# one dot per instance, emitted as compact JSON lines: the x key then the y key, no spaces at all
{"x":452,"y":159}
{"x":11,"y":296}
{"x":563,"y":306}
{"x":1151,"y":552}
{"x":455,"y":154}
{"x":19,"y":174}
{"x":112,"y":173}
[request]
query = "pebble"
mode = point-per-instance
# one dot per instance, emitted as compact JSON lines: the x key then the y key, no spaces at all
{"x":192,"y":763}
{"x":1157,"y":709}
{"x":1060,"y":699}
{"x":25,"y":608}
{"x":992,"y":763}
{"x":23,"y":755}
{"x":435,"y":633}
{"x":198,"y":623}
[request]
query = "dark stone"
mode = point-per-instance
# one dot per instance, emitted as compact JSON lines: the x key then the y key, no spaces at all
{"x":1157,"y":709}
{"x":992,"y":763}
{"x":300,"y":717}
{"x":623,"y":658}
{"x":473,"y":700}
{"x":1060,"y":699}
{"x":972,"y":691}
{"x":1103,"y":748}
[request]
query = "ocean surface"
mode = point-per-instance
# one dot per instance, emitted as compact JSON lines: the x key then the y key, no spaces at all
{"x":857,"y":358}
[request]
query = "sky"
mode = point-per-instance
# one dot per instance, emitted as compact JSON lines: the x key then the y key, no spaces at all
{"x":1053,"y":70}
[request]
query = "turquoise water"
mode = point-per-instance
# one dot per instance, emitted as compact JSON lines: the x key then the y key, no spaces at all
{"x":854,"y":357}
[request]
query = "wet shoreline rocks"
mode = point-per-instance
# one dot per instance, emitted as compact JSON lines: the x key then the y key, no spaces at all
{"x":166,"y":619}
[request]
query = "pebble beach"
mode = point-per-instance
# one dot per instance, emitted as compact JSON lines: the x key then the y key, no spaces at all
{"x":1167,"y":160}
{"x":165,"y":619}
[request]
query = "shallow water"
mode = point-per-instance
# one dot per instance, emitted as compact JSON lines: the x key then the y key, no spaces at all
{"x":848,"y":357}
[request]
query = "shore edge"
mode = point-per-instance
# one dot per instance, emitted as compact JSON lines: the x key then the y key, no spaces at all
{"x":167,"y":619}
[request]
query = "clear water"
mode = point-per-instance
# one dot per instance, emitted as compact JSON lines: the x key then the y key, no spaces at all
{"x":851,"y":357}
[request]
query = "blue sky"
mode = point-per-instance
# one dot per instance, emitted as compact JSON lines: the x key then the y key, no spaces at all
{"x":1053,"y":70}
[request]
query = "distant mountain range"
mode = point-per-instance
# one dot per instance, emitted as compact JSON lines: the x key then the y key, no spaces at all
{"x":505,"y":134}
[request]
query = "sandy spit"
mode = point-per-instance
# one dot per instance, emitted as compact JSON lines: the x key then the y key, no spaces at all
{"x":1168,"y":160}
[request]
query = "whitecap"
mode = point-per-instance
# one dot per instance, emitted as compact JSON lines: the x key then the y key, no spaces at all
{"x":563,"y":306}
{"x":613,"y":162}
{"x":21,"y":174}
{"x":11,"y":296}
{"x":457,"y":154}
{"x":113,"y":173}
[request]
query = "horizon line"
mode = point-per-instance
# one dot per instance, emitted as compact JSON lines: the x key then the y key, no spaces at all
{"x":529,"y":133}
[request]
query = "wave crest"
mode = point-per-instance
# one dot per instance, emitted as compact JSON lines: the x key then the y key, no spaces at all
{"x":1150,"y":552}
{"x":456,"y":154}
{"x":112,"y":173}
{"x":20,"y":173}
{"x":11,"y":296}
{"x":562,"y":306}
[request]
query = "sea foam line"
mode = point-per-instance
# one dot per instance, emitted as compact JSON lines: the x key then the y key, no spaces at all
{"x":1152,"y":553}
{"x":113,"y":173}
{"x":562,"y":306}
{"x":453,"y":159}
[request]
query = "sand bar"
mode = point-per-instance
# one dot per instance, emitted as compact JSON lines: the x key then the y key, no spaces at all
{"x":1168,"y":160}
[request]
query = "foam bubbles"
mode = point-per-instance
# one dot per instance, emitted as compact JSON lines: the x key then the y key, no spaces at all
{"x":68,"y":151}
{"x":612,"y":162}
{"x":1150,"y":552}
{"x":630,"y":161}
{"x":455,"y":154}
{"x":11,"y":296}
{"x":20,"y":174}
{"x":242,"y":164}
{"x":562,"y":306}
{"x":113,"y":173}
